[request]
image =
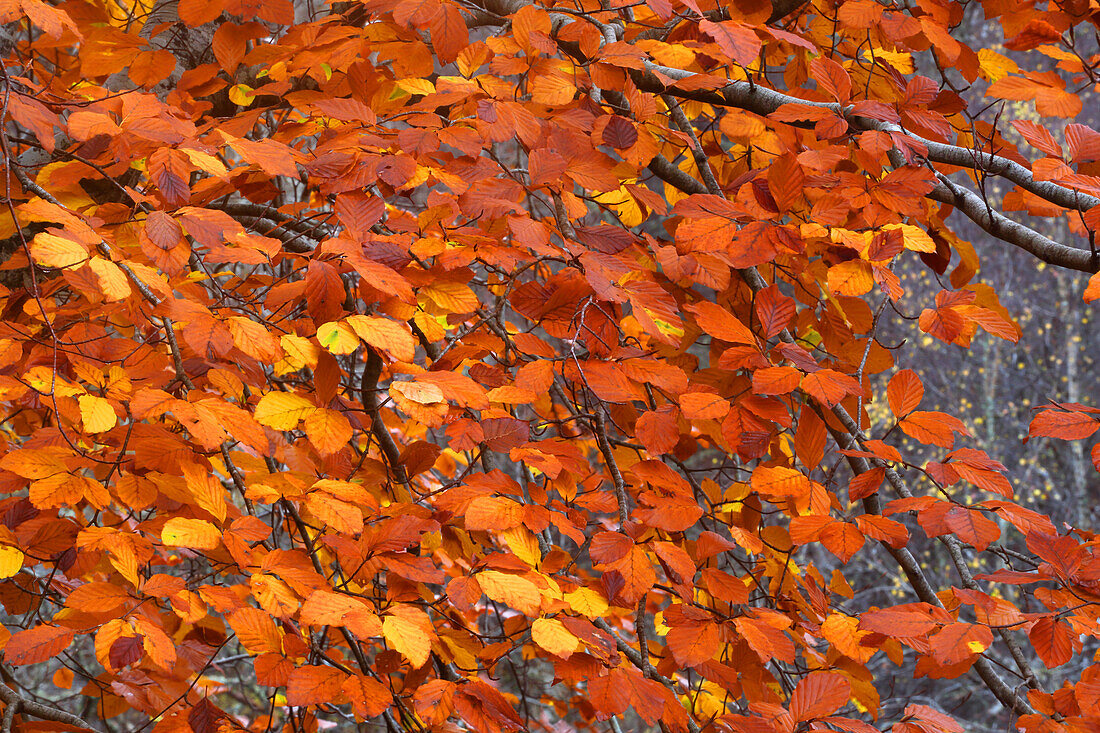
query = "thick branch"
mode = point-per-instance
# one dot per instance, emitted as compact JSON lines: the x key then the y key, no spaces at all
{"x":17,"y":702}
{"x":764,"y":101}
{"x":297,"y":235}
{"x":1003,"y":228}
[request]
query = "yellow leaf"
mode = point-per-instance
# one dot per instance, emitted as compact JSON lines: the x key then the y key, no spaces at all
{"x":112,"y":280}
{"x":298,"y":352}
{"x":587,"y":602}
{"x":623,"y":204}
{"x":514,"y":590}
{"x":417,"y":86}
{"x":452,"y":297}
{"x":97,"y":414}
{"x":338,"y":338}
{"x":523,"y":544}
{"x":45,"y":380}
{"x":205,"y":162}
{"x":196,"y":533}
{"x":282,"y":410}
{"x":382,"y":333}
{"x":409,"y":634}
{"x":11,"y":561}
{"x":328,"y":430}
{"x":994,"y":66}
{"x":50,"y":250}
{"x":242,"y":94}
{"x":551,"y":635}
{"x":914,"y":237}
{"x":901,"y":61}
{"x":852,"y":278}
{"x":424,"y":393}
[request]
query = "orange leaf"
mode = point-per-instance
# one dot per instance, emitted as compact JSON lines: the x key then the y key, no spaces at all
{"x":1092,"y":290}
{"x":842,"y":539}
{"x":328,"y":430}
{"x":1053,"y":641}
{"x":98,"y":597}
{"x":721,"y":324}
{"x":256,"y":630}
{"x":382,"y":333}
{"x":819,"y":694}
{"x":852,"y":278}
{"x":703,"y":406}
{"x":829,"y":387}
{"x":780,"y":482}
{"x":658,"y":430}
{"x":36,"y":644}
{"x":935,"y":428}
{"x":149,"y":68}
{"x":369,"y":698}
{"x":312,"y":685}
{"x":736,"y":40}
{"x":774,"y":310}
{"x":693,"y":644}
{"x":958,"y":642}
{"x":910,"y":622}
{"x":775,"y":380}
{"x":1064,"y":424}
{"x":972,"y":526}
{"x":904,"y":392}
{"x":495,"y":513}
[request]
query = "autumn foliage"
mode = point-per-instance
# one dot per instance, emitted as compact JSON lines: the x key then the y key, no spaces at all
{"x":483,"y":365}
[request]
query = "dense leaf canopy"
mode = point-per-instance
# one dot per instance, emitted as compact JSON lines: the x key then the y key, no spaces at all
{"x":483,"y":365}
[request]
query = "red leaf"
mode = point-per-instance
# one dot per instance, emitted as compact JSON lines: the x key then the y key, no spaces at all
{"x":204,"y":717}
{"x":504,"y":433}
{"x":162,"y":230}
{"x":125,"y":651}
{"x":620,"y":133}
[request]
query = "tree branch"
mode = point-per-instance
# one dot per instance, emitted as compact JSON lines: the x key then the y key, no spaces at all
{"x":18,"y":703}
{"x":764,"y":101}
